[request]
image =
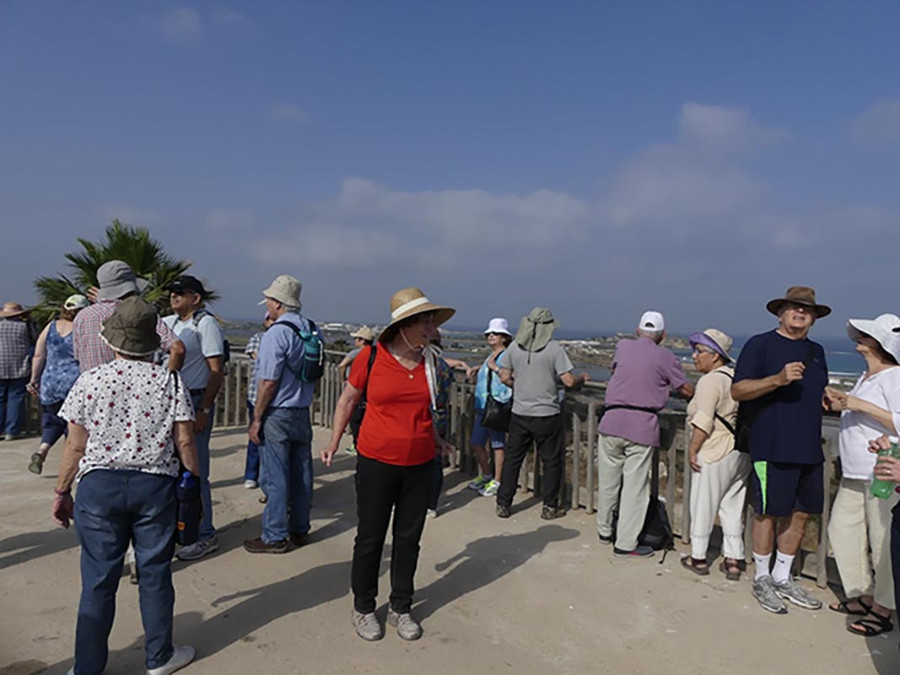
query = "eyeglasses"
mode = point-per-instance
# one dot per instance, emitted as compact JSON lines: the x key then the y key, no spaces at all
{"x":702,"y":350}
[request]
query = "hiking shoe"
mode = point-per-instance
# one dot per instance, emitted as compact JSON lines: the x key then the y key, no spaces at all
{"x":180,"y":658}
{"x":479,"y":483}
{"x":552,"y":513}
{"x":251,"y":484}
{"x":367,"y":626}
{"x":431,"y":513}
{"x":490,"y":488}
{"x":641,"y":551}
{"x":604,"y":539}
{"x":791,"y":590}
{"x":350,"y":451}
{"x":764,"y":592}
{"x":198,"y":549}
{"x":37,"y":463}
{"x":299,"y":538}
{"x":259,"y":546}
{"x":407,"y":627}
{"x":502,"y":511}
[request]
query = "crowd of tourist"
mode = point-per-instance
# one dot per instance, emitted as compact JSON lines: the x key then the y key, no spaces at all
{"x":135,"y":394}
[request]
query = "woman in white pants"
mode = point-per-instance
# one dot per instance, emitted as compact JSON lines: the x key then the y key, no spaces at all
{"x":860,"y":521}
{"x":719,"y":479}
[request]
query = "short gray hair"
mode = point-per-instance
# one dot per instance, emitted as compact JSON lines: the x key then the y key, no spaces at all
{"x":654,"y":335}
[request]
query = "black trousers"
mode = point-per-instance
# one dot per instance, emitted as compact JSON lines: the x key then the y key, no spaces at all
{"x":380,"y":489}
{"x":543,"y":432}
{"x":356,"y":418}
{"x":895,"y":552}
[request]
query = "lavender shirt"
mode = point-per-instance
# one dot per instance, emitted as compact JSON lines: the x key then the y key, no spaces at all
{"x":643,"y":374}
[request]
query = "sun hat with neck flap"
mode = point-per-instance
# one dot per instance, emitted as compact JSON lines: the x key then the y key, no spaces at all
{"x":409,"y":302}
{"x":536,"y":329}
{"x":131,"y":328}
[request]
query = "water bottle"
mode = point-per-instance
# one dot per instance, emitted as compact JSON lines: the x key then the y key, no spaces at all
{"x":885,"y":488}
{"x":190,"y":510}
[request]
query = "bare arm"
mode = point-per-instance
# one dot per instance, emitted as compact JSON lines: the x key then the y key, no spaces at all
{"x":345,"y":405}
{"x":40,"y":357}
{"x":73,"y":451}
{"x":176,"y":356}
{"x":748,"y":390}
{"x":570,"y":381}
{"x":342,"y":367}
{"x":698,"y":438}
{"x":265,"y":392}
{"x":456,"y":363}
{"x":877,"y":413}
{"x":685,"y":391}
{"x":183,"y":436}
{"x":213,"y":384}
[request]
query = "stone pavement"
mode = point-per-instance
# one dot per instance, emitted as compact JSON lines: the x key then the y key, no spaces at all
{"x":514,"y":596}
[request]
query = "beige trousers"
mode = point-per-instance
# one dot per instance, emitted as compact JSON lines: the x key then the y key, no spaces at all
{"x":719,"y":489}
{"x":861,"y":523}
{"x":623,"y":463}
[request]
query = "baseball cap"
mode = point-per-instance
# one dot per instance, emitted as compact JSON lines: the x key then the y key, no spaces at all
{"x":652,"y":321}
{"x":186,"y":283}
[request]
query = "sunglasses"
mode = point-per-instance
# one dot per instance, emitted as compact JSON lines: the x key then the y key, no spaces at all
{"x":492,"y":333}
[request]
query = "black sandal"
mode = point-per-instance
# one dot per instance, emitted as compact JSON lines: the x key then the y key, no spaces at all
{"x":731,"y":567}
{"x":843,"y":607}
{"x":700,"y":567}
{"x":867,"y":627}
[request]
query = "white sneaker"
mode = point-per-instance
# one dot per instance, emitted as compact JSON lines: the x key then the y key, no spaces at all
{"x":490,"y":489}
{"x":198,"y":549}
{"x":180,"y":658}
{"x":251,"y":484}
{"x":431,"y":513}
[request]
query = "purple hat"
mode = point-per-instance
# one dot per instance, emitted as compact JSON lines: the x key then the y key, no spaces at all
{"x":715,"y":340}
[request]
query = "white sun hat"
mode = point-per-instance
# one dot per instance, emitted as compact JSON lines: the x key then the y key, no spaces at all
{"x":884,"y":329}
{"x":498,"y":325}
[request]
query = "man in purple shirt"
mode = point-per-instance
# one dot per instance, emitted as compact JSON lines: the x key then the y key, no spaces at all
{"x":643,"y":374}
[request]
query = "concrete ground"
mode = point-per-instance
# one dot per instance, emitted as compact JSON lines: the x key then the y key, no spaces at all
{"x":520,"y":595}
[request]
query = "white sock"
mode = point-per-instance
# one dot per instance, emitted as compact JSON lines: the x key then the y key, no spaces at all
{"x":762,"y":565}
{"x":782,"y":569}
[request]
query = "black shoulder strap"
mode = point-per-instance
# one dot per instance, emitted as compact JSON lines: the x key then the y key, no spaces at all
{"x":725,"y":423}
{"x":372,"y":354}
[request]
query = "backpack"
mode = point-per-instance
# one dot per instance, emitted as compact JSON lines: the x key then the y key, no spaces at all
{"x":312,"y":366}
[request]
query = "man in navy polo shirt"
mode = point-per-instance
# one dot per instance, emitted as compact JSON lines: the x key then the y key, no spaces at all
{"x":780,"y":377}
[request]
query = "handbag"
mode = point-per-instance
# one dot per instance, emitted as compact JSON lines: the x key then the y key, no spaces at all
{"x":496,"y":414}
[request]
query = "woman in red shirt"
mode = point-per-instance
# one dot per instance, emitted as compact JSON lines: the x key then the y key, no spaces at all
{"x":396,"y":449}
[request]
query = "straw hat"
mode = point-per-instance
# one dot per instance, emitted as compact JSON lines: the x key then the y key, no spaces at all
{"x":364,"y":333}
{"x":11,"y":309}
{"x":409,"y":302}
{"x":131,"y":328}
{"x":716,"y":340}
{"x":799,"y":295}
{"x":884,"y":329}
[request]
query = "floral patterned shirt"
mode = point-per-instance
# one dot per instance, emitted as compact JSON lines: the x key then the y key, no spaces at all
{"x":129,"y":409}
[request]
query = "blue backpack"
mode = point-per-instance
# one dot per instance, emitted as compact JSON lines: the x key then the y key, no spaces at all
{"x":312,"y":367}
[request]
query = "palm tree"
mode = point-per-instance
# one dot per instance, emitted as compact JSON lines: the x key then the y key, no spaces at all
{"x":133,"y":245}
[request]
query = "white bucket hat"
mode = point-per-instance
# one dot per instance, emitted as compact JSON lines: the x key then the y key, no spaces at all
{"x":284,"y":289}
{"x":884,"y":329}
{"x":498,"y":325}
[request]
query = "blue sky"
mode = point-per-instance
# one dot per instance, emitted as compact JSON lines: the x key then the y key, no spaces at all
{"x":596,"y":158}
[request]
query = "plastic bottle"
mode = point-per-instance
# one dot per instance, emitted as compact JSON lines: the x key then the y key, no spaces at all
{"x":885,"y":488}
{"x":190,"y":509}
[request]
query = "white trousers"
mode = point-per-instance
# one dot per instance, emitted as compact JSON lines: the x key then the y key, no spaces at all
{"x":860,"y":523}
{"x":719,"y":488}
{"x":623,"y":463}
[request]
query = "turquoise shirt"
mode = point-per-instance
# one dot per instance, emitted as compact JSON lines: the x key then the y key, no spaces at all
{"x":499,"y":391}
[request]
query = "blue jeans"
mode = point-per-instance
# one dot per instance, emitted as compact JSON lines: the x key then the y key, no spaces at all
{"x":287,"y":472}
{"x":12,"y":404}
{"x":53,"y":427}
{"x":251,"y":466}
{"x":201,"y":440}
{"x":111,"y":509}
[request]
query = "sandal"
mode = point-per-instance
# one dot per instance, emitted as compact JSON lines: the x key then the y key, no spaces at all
{"x":37,"y":463}
{"x":843,"y":607}
{"x":731,"y":567}
{"x":699,"y":567}
{"x":870,"y":627}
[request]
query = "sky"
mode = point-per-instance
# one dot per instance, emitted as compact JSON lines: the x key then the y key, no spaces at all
{"x":596,"y":158}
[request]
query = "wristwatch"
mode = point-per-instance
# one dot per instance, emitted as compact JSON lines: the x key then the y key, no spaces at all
{"x":205,"y":411}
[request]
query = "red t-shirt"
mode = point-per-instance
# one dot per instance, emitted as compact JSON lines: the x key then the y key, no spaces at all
{"x":398,"y":428}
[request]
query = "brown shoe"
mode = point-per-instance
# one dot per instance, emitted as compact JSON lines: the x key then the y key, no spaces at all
{"x":299,"y":539}
{"x":259,"y":546}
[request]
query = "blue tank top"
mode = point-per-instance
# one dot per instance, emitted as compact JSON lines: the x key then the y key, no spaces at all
{"x":60,"y":367}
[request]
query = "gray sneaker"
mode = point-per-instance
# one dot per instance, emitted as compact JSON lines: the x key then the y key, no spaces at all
{"x":407,"y":627}
{"x":791,"y":590}
{"x":198,"y":549}
{"x":764,"y":592}
{"x":367,"y":626}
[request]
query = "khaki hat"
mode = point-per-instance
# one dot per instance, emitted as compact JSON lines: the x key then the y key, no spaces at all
{"x":11,"y":309}
{"x":716,"y":340}
{"x":408,"y":302}
{"x":284,"y":289}
{"x":364,"y":333}
{"x":536,"y":329}
{"x":131,"y":328}
{"x":76,"y":302}
{"x":799,"y":295}
{"x":116,"y":279}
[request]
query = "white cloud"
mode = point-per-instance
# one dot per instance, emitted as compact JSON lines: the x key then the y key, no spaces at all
{"x":181,"y":24}
{"x":724,"y":128}
{"x":288,"y":112}
{"x":878,"y":124}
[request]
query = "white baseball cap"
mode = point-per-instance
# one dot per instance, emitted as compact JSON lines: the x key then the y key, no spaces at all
{"x":652,"y":321}
{"x":498,"y":325}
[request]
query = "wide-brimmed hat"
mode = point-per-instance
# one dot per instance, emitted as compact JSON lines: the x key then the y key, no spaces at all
{"x":11,"y":309}
{"x":409,"y":302}
{"x":115,"y":279}
{"x":884,"y":329}
{"x":498,"y":325}
{"x":76,"y":301}
{"x":536,"y":329}
{"x":364,"y":333}
{"x":284,"y":289}
{"x":186,"y":283}
{"x":131,"y":328}
{"x":799,"y":295}
{"x":716,"y":340}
